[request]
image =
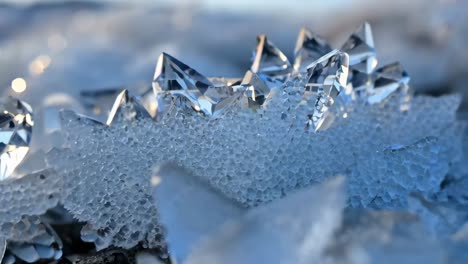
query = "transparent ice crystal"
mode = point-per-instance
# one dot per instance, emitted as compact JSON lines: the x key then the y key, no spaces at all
{"x":309,"y":48}
{"x":16,"y":124}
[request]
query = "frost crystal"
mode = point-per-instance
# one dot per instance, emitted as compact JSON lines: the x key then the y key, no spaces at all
{"x":126,"y":108}
{"x":15,"y":134}
{"x":309,"y":48}
{"x":387,"y":80}
{"x":327,"y":78}
{"x":269,"y":61}
{"x":362,"y":57}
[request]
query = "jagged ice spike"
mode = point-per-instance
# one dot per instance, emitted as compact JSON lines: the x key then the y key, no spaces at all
{"x":126,"y":108}
{"x":327,"y":78}
{"x":172,"y":74}
{"x":309,"y":48}
{"x":268,"y":59}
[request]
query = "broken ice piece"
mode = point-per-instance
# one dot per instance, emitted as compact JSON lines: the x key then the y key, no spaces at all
{"x":362,"y":58}
{"x":309,"y":48}
{"x":172,"y":74}
{"x":98,"y":103}
{"x":284,"y":231}
{"x":256,"y":90}
{"x":361,"y":51}
{"x":193,"y":213}
{"x":175,"y":82}
{"x":126,"y":108}
{"x":269,"y":60}
{"x":326,"y":79}
{"x":388,"y":80}
{"x":16,"y":124}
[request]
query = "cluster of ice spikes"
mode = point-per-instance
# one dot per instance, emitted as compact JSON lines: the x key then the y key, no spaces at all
{"x":334,"y":78}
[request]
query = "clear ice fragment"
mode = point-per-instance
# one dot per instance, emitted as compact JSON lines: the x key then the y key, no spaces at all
{"x":16,"y":123}
{"x":388,"y":80}
{"x":361,"y":51}
{"x":256,"y":90}
{"x":309,"y":48}
{"x":98,"y":103}
{"x":268,"y":59}
{"x":126,"y":108}
{"x":362,"y":58}
{"x":326,"y":79}
{"x":172,"y":74}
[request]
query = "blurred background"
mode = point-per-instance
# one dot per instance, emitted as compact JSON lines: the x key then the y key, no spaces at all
{"x":52,"y":50}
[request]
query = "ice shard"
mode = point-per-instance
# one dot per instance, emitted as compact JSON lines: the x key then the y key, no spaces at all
{"x":178,"y":84}
{"x":256,"y":90}
{"x":269,"y":60}
{"x":126,"y":108}
{"x":16,"y":123}
{"x":309,"y":48}
{"x":326,"y":79}
{"x":99,"y":103}
{"x":387,"y":80}
{"x":362,"y":58}
{"x":172,"y":74}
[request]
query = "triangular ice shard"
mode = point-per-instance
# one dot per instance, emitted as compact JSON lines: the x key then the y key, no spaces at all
{"x":309,"y":48}
{"x":189,"y":208}
{"x":327,"y":78}
{"x":256,"y":90}
{"x":172,"y":74}
{"x":362,"y":58}
{"x":126,"y":108}
{"x":268,"y":59}
{"x":361,"y":51}
{"x":388,"y":80}
{"x":98,"y":103}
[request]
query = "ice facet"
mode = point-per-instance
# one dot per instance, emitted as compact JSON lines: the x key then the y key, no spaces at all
{"x":126,"y":108}
{"x":99,"y":103}
{"x":269,"y":60}
{"x":387,"y":80}
{"x":309,"y":48}
{"x":256,"y":90}
{"x":172,"y":74}
{"x":326,"y":79}
{"x":361,"y":51}
{"x":16,"y":124}
{"x":362,"y":58}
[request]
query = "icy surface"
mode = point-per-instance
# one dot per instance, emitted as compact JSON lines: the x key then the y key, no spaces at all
{"x":253,"y":157}
{"x":31,"y":195}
